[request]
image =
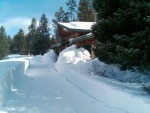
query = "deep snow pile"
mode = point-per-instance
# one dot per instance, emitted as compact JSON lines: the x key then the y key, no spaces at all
{"x":48,"y":58}
{"x":11,"y":71}
{"x":73,"y":55}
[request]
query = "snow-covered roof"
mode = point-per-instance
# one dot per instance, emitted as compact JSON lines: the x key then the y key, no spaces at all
{"x":79,"y":26}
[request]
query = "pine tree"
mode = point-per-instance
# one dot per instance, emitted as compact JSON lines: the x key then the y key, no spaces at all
{"x":123,"y":32}
{"x":106,"y":8}
{"x":10,"y":41}
{"x":60,"y":15}
{"x":71,"y":8}
{"x":42,"y":41}
{"x":19,"y":42}
{"x":4,"y":47}
{"x":66,"y":17}
{"x":31,"y":35}
{"x":86,"y":11}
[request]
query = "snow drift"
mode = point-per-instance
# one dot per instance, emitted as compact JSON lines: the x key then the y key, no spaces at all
{"x":73,"y":55}
{"x":12,"y":70}
{"x":114,"y":72}
{"x":47,"y":59}
{"x":109,"y":93}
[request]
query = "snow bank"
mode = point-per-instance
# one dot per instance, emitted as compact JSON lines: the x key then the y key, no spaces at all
{"x":124,"y":98}
{"x":47,"y":59}
{"x":73,"y":55}
{"x":15,"y":56}
{"x":25,"y":60}
{"x":113,"y":72}
{"x":12,"y":70}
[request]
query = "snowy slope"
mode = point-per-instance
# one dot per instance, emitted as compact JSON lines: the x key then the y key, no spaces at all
{"x":122,"y":97}
{"x":71,"y":85}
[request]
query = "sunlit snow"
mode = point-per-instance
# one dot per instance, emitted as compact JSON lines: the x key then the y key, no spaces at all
{"x":70,"y":83}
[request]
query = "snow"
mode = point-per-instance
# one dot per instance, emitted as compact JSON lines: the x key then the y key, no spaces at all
{"x":78,"y":25}
{"x":11,"y":71}
{"x":112,"y":71}
{"x":47,"y":59}
{"x":73,"y":55}
{"x":124,"y":97}
{"x":74,"y":84}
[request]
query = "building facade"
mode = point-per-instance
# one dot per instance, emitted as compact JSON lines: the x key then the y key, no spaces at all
{"x":78,"y":33}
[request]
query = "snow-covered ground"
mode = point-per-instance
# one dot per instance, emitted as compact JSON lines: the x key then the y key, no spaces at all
{"x":71,"y":85}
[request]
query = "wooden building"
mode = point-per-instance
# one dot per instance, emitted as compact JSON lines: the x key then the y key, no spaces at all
{"x":78,"y":33}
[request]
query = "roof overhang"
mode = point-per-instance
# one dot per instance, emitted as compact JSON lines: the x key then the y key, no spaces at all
{"x":76,"y":26}
{"x":81,"y":38}
{"x":74,"y":40}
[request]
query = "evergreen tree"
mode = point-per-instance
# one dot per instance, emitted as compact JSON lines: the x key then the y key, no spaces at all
{"x":123,"y":32}
{"x":71,"y":8}
{"x":31,"y":35}
{"x":19,"y":42}
{"x":66,"y":17}
{"x":42,"y":41}
{"x":10,"y":43}
{"x":86,"y":11}
{"x":60,"y":15}
{"x":4,"y":47}
{"x":106,"y":8}
{"x":9,"y":39}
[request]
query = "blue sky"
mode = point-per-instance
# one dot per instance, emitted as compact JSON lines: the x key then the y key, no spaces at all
{"x":16,"y":14}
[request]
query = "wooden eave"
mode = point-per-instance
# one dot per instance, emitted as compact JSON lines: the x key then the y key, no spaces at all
{"x":74,"y":40}
{"x":81,"y":38}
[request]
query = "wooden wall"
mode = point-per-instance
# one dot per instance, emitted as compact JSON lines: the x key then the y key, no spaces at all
{"x":66,"y":35}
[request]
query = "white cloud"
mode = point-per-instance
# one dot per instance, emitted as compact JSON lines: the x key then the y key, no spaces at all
{"x":14,"y":24}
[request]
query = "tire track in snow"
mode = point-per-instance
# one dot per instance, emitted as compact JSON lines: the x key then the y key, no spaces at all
{"x":92,"y":97}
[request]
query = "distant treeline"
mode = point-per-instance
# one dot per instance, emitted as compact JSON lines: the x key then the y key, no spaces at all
{"x":37,"y":41}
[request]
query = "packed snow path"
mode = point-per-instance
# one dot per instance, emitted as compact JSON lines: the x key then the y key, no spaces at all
{"x":46,"y":91}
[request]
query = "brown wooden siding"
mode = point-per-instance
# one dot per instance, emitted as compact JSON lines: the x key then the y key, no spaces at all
{"x":66,"y":35}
